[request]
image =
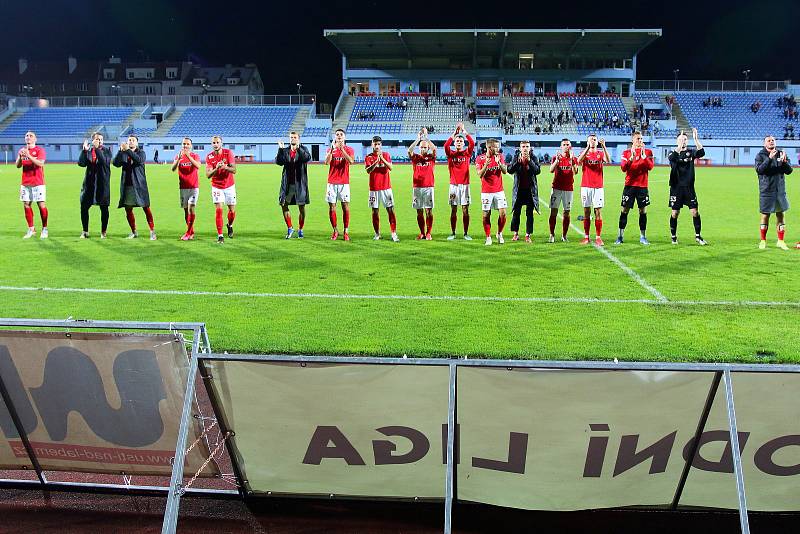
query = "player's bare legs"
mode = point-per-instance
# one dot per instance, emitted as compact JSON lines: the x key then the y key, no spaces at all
{"x":301,"y":209}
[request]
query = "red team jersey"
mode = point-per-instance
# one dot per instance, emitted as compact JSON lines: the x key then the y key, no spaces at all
{"x":593,"y":169}
{"x":423,"y":169}
{"x":563,"y":177}
{"x":492,"y":180}
{"x":223,"y":179}
{"x":33,"y":175}
{"x":339,"y":170}
{"x":637,"y":168}
{"x":187,"y":173}
{"x":379,"y":177}
{"x":458,"y":162}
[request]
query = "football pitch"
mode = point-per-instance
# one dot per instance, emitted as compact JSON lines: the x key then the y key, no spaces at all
{"x":261,"y":293}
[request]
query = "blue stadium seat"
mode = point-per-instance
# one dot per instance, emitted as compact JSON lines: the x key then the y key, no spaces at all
{"x":65,"y":121}
{"x":235,"y":121}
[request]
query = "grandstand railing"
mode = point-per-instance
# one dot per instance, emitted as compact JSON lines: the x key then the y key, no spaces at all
{"x":711,"y":85}
{"x":166,"y":100}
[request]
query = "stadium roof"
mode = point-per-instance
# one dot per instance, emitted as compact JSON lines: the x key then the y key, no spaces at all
{"x":414,"y":44}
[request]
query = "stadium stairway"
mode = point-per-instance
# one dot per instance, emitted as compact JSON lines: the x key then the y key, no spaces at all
{"x":165,"y":126}
{"x":629,"y":103}
{"x":128,"y":122}
{"x":11,"y":118}
{"x":299,"y":122}
{"x":345,"y":110}
{"x":680,"y":118}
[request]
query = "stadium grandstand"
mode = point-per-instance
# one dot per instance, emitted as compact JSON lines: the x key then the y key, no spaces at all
{"x":542,"y":85}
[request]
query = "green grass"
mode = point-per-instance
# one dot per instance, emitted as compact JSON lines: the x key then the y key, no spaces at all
{"x":259,"y":260}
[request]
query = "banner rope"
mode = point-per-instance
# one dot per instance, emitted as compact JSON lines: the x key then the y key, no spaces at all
{"x":188,"y":485}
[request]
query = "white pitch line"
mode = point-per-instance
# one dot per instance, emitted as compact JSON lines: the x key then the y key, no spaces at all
{"x":574,"y":300}
{"x":618,"y":262}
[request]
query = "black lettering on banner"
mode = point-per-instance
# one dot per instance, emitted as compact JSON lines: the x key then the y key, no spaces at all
{"x":16,"y":391}
{"x":628,"y":457}
{"x":517,"y":455}
{"x":725,"y":463}
{"x":596,"y":451}
{"x":383,"y":449}
{"x":763,"y":457}
{"x":72,"y":383}
{"x":340,"y":447}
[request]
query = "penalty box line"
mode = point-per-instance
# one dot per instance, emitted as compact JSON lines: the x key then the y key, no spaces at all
{"x":463,"y":298}
{"x":618,"y":262}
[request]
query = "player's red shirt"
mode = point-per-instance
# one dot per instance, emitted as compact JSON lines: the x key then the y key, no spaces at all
{"x":637,"y":167}
{"x":423,"y":169}
{"x":593,"y":169}
{"x":458,"y":162}
{"x":222,"y":179}
{"x":339,"y":170}
{"x":563,"y":177}
{"x":33,"y":175}
{"x":492,"y":180}
{"x":187,"y":173}
{"x":379,"y":179}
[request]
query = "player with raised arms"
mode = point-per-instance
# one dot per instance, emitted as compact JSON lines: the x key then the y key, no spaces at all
{"x":220,"y":169}
{"x":423,"y":182}
{"x":637,"y":162}
{"x":133,"y":190}
{"x":491,"y":167}
{"x":294,"y":181}
{"x":772,"y":166}
{"x":564,"y":168}
{"x":187,"y":163}
{"x":592,"y":159}
{"x":458,"y":164}
{"x":30,"y":159}
{"x":681,"y":184}
{"x":378,"y":165}
{"x":339,"y":157}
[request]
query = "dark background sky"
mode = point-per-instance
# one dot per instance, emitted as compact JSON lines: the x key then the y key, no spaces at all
{"x":705,"y":40}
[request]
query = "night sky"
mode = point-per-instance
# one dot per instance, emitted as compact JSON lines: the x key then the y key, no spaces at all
{"x":705,"y":40}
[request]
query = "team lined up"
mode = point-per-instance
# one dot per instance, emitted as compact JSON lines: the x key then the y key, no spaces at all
{"x":220,"y":169}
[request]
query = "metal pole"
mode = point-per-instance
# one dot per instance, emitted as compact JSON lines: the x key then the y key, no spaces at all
{"x":737,"y":457}
{"x":451,"y":433}
{"x":21,"y":431}
{"x":176,"y":482}
{"x":701,"y":425}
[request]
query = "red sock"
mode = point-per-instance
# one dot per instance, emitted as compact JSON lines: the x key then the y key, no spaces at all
{"x":332,"y":217}
{"x":763,"y":230}
{"x":288,"y":218}
{"x":587,"y":224}
{"x":466,"y":223}
{"x":218,"y":219}
{"x":453,"y":221}
{"x":149,"y":216}
{"x":781,"y":231}
{"x":43,"y":214}
{"x":29,"y":215}
{"x":302,"y":221}
{"x":346,"y":218}
{"x":190,"y":224}
{"x":565,"y":225}
{"x":598,"y":226}
{"x":131,"y":219}
{"x":552,"y":223}
{"x":421,"y":222}
{"x":231,"y":217}
{"x":376,"y":222}
{"x":487,"y":226}
{"x":393,"y":222}
{"x":501,"y":223}
{"x":429,"y":222}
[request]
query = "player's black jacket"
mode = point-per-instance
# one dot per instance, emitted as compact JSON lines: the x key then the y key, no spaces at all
{"x":771,"y":182}
{"x":682,"y":167}
{"x":294,"y":168}
{"x":531,"y":171}
{"x":132,"y":163}
{"x":96,"y":188}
